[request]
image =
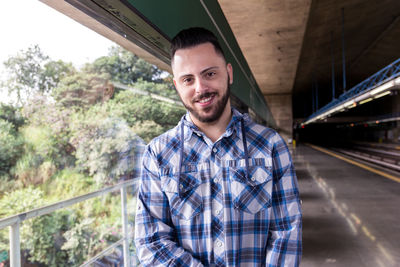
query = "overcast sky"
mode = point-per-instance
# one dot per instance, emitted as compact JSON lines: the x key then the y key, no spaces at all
{"x":24,"y":23}
{"x":28,"y":22}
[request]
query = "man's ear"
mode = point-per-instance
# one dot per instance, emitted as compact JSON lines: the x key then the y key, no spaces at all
{"x":230,"y":72}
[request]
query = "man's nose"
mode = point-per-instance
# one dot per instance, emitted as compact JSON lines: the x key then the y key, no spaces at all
{"x":201,"y":86}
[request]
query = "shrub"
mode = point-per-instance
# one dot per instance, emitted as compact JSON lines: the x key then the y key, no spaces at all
{"x":105,"y":146}
{"x":136,"y":109}
{"x":68,"y":183}
{"x":40,"y":236}
{"x":82,"y":90}
{"x":81,"y":242}
{"x":48,"y":131}
{"x":11,"y":114}
{"x":147,"y":130}
{"x":10,"y":148}
{"x":36,"y":165}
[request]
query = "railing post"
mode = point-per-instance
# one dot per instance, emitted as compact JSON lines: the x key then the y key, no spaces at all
{"x":15,"y":246}
{"x":125,"y":233}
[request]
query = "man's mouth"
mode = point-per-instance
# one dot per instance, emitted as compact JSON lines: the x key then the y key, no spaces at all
{"x":203,"y":99}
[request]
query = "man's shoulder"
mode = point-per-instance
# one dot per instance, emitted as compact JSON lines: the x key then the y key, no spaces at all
{"x":259,"y":130}
{"x":266,"y":141}
{"x":167,"y":139}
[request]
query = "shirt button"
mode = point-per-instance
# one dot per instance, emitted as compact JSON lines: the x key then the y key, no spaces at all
{"x":219,"y":244}
{"x":253,"y":178}
{"x":181,"y":186}
{"x":216,"y":180}
{"x":214,"y":150}
{"x":218,"y":212}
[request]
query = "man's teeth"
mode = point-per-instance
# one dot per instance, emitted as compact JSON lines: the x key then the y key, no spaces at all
{"x":204,"y":100}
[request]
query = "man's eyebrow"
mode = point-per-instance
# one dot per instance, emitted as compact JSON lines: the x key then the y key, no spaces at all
{"x":208,"y":69}
{"x":185,"y":75}
{"x":201,"y":73}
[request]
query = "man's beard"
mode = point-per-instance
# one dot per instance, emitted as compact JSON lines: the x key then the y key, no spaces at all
{"x":218,"y":108}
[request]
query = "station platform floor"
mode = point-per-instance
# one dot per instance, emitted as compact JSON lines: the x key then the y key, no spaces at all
{"x":351,"y":215}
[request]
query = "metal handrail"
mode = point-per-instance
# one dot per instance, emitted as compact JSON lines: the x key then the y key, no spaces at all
{"x":389,"y":72}
{"x":14,"y":221}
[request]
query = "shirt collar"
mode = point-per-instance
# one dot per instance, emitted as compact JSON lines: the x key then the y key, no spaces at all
{"x":233,"y":126}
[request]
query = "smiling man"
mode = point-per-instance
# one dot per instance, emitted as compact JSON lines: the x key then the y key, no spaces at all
{"x":218,"y":189}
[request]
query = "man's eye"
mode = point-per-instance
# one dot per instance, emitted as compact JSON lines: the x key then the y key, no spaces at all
{"x":210,"y":74}
{"x":187,"y":80}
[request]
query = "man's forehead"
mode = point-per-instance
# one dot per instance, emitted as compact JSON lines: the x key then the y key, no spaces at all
{"x":201,"y":56}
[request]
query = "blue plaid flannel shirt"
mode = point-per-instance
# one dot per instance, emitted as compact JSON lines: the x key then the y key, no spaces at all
{"x":213,"y":214}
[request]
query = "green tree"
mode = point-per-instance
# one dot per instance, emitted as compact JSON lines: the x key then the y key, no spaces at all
{"x":136,"y":108}
{"x":83,"y":89}
{"x":124,"y":67}
{"x":32,"y":71}
{"x":10,"y":148}
{"x":47,"y":131}
{"x":40,"y":236}
{"x":24,"y":72}
{"x":52,"y":73}
{"x":165,"y":88}
{"x":11,"y":114}
{"x":105,"y":146}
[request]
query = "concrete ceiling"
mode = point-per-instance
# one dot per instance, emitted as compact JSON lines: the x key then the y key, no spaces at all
{"x":289,"y":44}
{"x":270,"y":34}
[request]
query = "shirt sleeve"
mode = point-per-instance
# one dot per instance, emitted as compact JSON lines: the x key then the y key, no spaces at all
{"x":285,"y":236}
{"x":155,"y":240}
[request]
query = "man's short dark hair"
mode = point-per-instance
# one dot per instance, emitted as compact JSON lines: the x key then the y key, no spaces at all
{"x":194,"y":36}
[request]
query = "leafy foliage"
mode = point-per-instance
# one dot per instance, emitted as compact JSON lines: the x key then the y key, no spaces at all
{"x":11,"y":114}
{"x":75,"y":134}
{"x":137,"y":109}
{"x":31,"y":71}
{"x":68,"y":183}
{"x":48,"y":132}
{"x":24,"y":71}
{"x":124,"y":67}
{"x":80,"y":241}
{"x":41,"y":236}
{"x":44,"y":153}
{"x":105,"y":146}
{"x":165,"y":88}
{"x":52,"y":73}
{"x":147,"y":129}
{"x":10,"y":147}
{"x":82,"y":90}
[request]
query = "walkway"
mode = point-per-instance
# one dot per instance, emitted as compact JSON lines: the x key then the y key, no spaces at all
{"x":351,"y":216}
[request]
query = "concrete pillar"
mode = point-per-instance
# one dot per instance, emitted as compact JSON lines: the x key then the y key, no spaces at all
{"x":281,"y":109}
{"x":396,"y":112}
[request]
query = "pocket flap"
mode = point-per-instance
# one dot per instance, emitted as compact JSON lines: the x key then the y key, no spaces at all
{"x":257,"y":175}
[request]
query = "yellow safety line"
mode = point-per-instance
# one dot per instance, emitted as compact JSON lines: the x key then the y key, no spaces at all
{"x":384,"y":174}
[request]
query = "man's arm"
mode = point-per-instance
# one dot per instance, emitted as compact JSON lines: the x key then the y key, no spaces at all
{"x":284,"y":241}
{"x":154,"y":233}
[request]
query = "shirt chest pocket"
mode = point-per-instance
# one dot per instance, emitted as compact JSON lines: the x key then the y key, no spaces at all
{"x":251,"y":193}
{"x":184,"y":193}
